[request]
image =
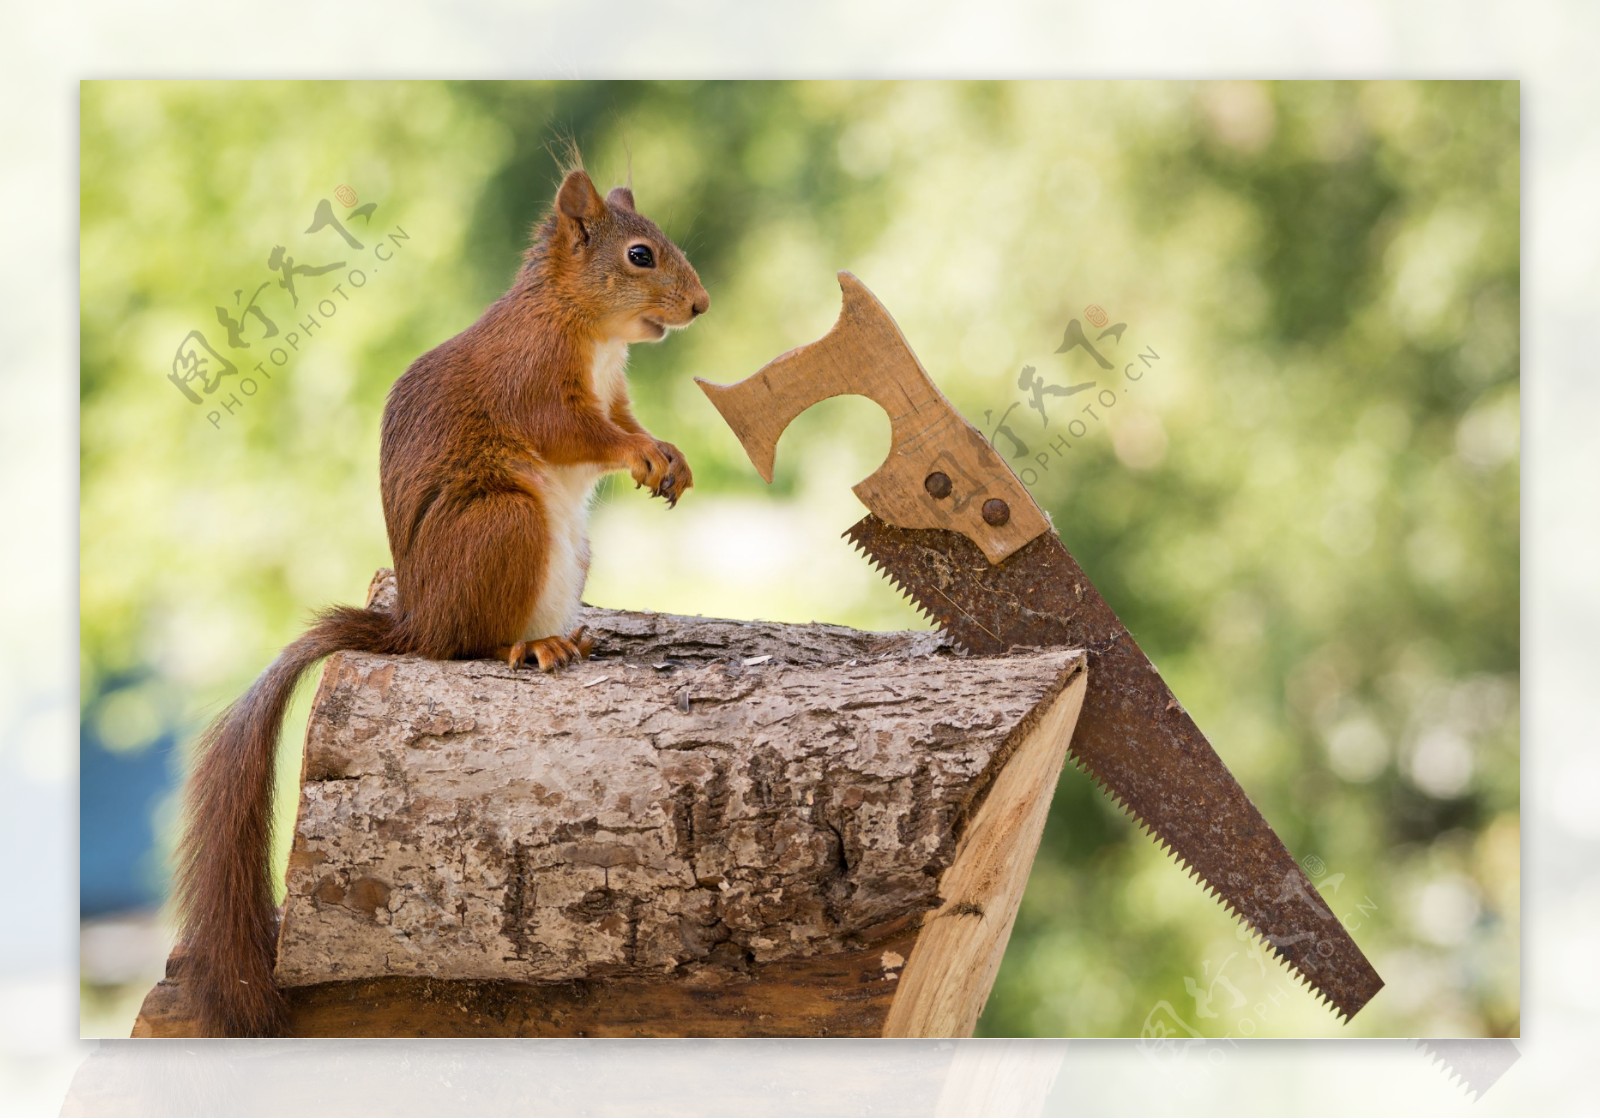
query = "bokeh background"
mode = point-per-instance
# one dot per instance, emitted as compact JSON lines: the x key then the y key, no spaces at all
{"x":1307,"y":511}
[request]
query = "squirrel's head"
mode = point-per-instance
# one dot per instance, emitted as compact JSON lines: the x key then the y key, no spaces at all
{"x":605,"y":258}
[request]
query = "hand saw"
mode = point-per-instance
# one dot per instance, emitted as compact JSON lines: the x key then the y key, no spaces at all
{"x":954,"y":529}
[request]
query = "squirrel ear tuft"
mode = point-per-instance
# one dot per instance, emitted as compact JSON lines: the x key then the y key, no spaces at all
{"x":620,"y":198}
{"x":577,"y":198}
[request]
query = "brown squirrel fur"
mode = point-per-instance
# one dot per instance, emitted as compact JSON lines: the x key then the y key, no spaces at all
{"x":492,"y":443}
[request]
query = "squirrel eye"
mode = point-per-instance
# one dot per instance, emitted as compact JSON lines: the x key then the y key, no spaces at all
{"x":642,"y":256}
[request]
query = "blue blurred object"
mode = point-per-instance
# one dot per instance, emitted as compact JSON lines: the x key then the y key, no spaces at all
{"x":118,"y":793}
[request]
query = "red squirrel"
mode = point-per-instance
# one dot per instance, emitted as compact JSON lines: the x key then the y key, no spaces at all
{"x":491,"y":448}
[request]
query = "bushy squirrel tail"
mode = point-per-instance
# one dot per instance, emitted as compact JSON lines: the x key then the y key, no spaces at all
{"x":224,"y":882}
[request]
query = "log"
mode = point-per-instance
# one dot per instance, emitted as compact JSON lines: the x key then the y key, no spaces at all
{"x":710,"y":828}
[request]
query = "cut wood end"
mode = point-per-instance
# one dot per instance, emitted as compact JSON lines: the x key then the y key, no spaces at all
{"x":952,"y":968}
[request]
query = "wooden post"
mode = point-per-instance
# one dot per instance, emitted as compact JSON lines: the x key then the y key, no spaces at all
{"x":711,"y":828}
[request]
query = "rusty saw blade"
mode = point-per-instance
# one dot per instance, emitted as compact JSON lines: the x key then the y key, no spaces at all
{"x":955,"y":530}
{"x":1133,"y":736}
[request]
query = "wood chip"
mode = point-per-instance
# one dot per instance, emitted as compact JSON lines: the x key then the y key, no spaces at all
{"x":748,"y":661}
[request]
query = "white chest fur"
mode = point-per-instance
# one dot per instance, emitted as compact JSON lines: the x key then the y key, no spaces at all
{"x":608,"y":373}
{"x":568,"y":493}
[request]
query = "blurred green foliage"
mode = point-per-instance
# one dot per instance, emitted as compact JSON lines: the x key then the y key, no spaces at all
{"x":1307,"y":511}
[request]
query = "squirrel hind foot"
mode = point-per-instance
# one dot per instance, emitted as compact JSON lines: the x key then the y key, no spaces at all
{"x":553,"y":652}
{"x":549,"y":653}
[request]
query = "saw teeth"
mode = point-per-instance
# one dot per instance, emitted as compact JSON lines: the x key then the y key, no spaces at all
{"x":1194,"y":875}
{"x":923,"y":608}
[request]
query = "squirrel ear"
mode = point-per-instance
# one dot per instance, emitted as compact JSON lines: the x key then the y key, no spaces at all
{"x":621,"y":198}
{"x":578,"y":200}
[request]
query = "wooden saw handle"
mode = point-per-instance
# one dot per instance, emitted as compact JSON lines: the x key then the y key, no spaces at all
{"x":940,"y":472}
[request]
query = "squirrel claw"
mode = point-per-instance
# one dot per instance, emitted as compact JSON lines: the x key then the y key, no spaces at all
{"x":552,"y":652}
{"x":557,"y":652}
{"x":549,"y":653}
{"x":661,"y":469}
{"x":515,"y":656}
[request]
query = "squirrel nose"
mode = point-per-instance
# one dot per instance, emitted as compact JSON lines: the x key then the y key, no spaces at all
{"x":701,"y":304}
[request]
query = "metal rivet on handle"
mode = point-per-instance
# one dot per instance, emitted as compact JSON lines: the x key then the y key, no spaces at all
{"x":996,"y":512}
{"x":937,"y":483}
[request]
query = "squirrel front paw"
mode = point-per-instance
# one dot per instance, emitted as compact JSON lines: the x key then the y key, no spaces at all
{"x":661,"y":468}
